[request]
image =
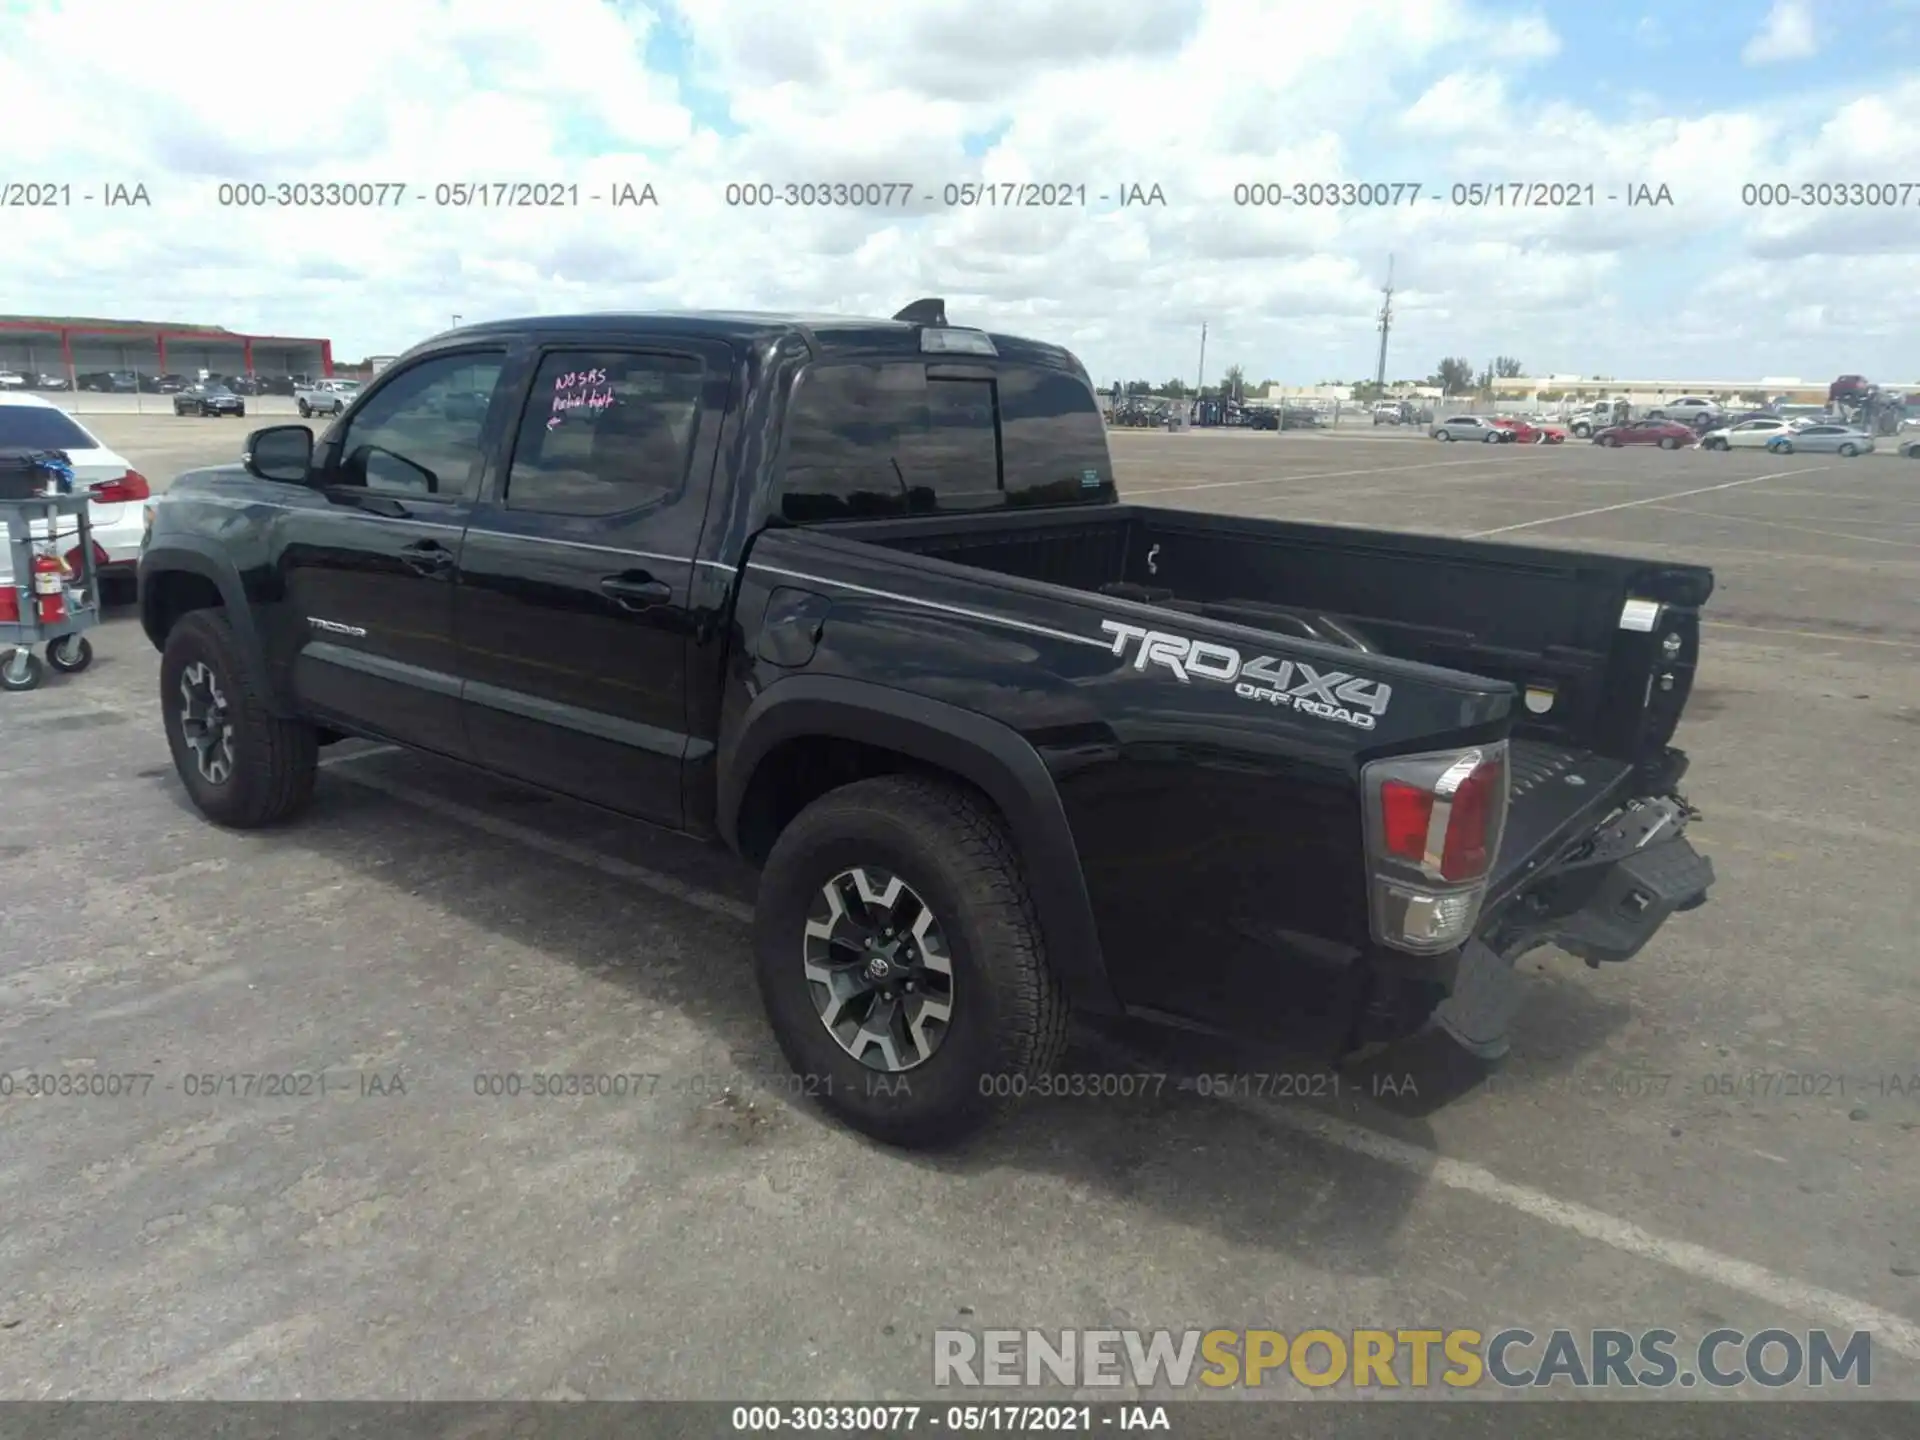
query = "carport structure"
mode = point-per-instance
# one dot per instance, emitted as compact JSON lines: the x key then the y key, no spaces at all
{"x":30,"y":342}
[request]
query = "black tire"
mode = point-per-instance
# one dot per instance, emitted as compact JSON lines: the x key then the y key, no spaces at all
{"x":20,"y":669}
{"x":1781,"y":447}
{"x":1669,"y":442}
{"x":1009,"y":1018}
{"x":274,"y":760}
{"x":306,"y":410}
{"x":1443,"y":435}
{"x":1612,"y":442}
{"x":1849,"y":450}
{"x":70,"y":654}
{"x":1716,"y":445}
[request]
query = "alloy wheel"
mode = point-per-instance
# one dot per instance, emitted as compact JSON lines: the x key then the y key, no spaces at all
{"x":879,"y":969}
{"x":205,"y":722}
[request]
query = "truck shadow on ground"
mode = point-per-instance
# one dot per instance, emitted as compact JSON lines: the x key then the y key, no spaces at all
{"x":1200,"y":1154}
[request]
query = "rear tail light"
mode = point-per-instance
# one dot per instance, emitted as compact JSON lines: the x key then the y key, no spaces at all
{"x":1434,"y":824}
{"x":128,"y":488}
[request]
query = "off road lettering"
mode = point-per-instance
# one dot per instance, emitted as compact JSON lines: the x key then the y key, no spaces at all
{"x":1292,"y":684}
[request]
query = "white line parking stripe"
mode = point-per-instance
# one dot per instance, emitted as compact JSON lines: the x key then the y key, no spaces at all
{"x":1896,"y":1332}
{"x":1282,"y":479}
{"x":1650,"y":500}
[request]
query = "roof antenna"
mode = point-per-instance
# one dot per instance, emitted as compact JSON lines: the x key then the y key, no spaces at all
{"x":925,"y":312}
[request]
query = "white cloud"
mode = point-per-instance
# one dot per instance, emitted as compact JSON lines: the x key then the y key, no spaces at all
{"x":1196,"y":96}
{"x":1786,"y":34}
{"x":1463,"y":103}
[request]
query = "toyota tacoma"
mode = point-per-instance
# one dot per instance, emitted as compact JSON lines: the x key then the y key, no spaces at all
{"x":860,"y":600}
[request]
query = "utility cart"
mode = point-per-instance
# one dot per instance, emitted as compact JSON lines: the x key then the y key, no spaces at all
{"x":47,"y":601}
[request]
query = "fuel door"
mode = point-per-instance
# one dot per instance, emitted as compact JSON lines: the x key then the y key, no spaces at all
{"x":794,"y":622}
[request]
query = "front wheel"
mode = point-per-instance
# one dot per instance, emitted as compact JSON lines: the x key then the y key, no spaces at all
{"x":242,"y":765}
{"x":1781,"y":447}
{"x":1442,"y":435}
{"x":1849,"y":450}
{"x":21,"y":670}
{"x":70,"y":654}
{"x":1716,"y":444}
{"x":901,"y":961}
{"x":1612,"y":442}
{"x":1668,"y":442}
{"x":306,"y":410}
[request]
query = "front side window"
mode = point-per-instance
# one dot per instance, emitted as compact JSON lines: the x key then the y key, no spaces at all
{"x":420,"y":435}
{"x":605,"y":432}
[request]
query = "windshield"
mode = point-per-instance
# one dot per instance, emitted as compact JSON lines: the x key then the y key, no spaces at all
{"x":30,"y":427}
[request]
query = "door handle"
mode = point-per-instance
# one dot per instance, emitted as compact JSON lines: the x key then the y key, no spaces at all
{"x":636,"y":590}
{"x":427,"y":557}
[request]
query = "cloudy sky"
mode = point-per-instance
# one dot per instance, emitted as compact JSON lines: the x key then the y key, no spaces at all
{"x":1197,"y":97}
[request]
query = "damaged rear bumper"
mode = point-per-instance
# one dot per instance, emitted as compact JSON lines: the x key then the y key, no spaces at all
{"x":1602,"y":904}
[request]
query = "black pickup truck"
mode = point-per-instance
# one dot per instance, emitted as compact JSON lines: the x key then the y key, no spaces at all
{"x":860,"y":599}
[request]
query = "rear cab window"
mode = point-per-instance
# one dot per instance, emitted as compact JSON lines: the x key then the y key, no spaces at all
{"x":873,"y":439}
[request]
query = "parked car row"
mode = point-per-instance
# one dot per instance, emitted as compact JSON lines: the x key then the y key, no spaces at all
{"x":129,"y":382}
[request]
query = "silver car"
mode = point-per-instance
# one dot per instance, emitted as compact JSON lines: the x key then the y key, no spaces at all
{"x":1822,"y":440}
{"x":1471,"y":427}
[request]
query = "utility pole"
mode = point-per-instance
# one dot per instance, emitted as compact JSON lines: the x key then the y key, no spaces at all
{"x":1386,"y":326}
{"x":1200,"y":381}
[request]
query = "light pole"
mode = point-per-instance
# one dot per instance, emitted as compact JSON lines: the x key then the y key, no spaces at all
{"x":456,"y":322}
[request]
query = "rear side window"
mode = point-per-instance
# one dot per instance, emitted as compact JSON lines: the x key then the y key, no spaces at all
{"x":871,"y":440}
{"x":605,"y":432}
{"x":33,"y":427}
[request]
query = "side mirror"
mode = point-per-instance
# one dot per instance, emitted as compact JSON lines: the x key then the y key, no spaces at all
{"x":280,"y":452}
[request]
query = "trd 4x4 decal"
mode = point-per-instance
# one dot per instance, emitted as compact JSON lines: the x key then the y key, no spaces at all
{"x":1294,"y":684}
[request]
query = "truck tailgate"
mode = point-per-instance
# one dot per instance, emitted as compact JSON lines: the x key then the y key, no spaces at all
{"x":1557,"y":795}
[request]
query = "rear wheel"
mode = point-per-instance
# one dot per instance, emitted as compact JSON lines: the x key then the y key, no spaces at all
{"x":1442,"y":435}
{"x":901,"y":960}
{"x":306,"y":410}
{"x":242,"y":765}
{"x":1849,"y":450}
{"x":1669,"y":442}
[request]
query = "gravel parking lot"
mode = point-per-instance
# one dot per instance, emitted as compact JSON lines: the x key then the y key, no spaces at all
{"x":388,"y":1229}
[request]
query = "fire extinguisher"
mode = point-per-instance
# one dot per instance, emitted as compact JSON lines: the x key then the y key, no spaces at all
{"x":49,"y":588}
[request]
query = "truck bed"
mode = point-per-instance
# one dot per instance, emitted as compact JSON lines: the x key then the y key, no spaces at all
{"x":1548,"y":622}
